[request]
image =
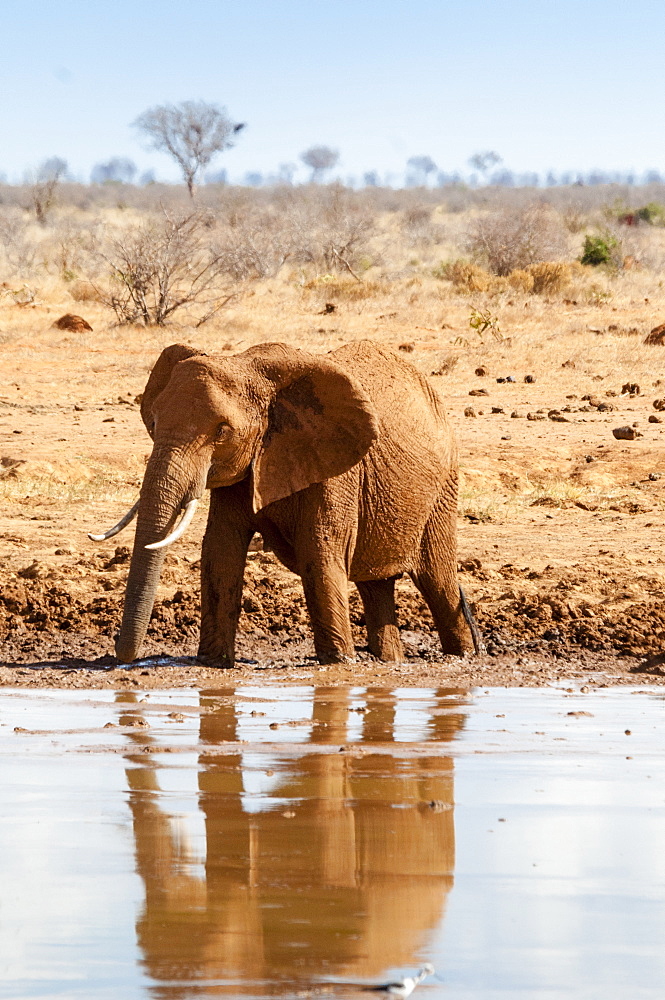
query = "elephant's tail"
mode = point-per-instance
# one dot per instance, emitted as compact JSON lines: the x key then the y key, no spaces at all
{"x":478,"y":644}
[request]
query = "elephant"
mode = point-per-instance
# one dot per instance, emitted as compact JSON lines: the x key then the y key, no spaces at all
{"x":345,"y":463}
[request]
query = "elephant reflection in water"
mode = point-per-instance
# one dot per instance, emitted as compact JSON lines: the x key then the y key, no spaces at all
{"x":331,"y":879}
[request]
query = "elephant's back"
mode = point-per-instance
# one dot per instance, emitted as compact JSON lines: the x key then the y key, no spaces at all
{"x":407,"y":403}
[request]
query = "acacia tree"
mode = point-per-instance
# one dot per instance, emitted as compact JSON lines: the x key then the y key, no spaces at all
{"x":192,"y":132}
{"x":484,"y":161}
{"x":319,"y":159}
{"x":422,"y":166}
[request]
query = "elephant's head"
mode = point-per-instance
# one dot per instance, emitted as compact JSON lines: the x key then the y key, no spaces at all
{"x":284,"y":417}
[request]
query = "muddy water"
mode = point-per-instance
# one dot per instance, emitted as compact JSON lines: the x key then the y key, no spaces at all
{"x":262,"y":842}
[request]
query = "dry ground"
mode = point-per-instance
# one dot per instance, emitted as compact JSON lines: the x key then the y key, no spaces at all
{"x":560,"y":545}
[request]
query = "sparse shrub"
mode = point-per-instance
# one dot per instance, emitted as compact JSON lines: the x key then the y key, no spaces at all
{"x":159,"y":267}
{"x":482,"y":321}
{"x":20,"y":251}
{"x":509,"y":241}
{"x":602,"y":249}
{"x":653,"y":213}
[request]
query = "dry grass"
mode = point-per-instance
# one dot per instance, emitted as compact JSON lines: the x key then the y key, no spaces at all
{"x":561,"y":323}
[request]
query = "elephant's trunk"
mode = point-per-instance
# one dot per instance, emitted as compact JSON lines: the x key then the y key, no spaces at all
{"x":167,"y":486}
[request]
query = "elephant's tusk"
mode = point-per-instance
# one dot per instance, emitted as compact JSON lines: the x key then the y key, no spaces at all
{"x":178,"y":532}
{"x":122,"y":523}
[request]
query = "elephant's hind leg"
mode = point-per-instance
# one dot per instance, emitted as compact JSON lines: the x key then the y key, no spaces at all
{"x":383,"y":640}
{"x":435,"y":576}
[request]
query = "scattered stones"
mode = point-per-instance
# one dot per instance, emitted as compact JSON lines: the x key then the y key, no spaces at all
{"x":625,"y":433}
{"x":73,"y":323}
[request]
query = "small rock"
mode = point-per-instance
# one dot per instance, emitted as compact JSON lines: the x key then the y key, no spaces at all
{"x":529,"y":378}
{"x":501,"y":380}
{"x":653,"y":419}
{"x":659,"y":404}
{"x":535,"y":416}
{"x":481,"y":372}
{"x":470,"y":412}
{"x":510,"y":378}
{"x":498,"y":409}
{"x":654,"y":477}
{"x":407,"y":347}
{"x":516,"y":415}
{"x":478,"y":392}
{"x":558,"y":417}
{"x":625,"y":433}
{"x":630,"y":387}
{"x":568,"y":364}
{"x":506,"y":437}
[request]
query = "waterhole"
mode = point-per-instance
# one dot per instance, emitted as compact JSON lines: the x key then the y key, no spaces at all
{"x":312,"y":841}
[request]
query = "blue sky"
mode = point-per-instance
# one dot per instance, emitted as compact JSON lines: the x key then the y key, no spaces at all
{"x":562,"y":84}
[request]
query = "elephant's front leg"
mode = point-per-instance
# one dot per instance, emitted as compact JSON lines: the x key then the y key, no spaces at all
{"x":223,"y":559}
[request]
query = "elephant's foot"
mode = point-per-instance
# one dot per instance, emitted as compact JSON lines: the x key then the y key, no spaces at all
{"x":220,"y":660}
{"x":329,"y":657}
{"x":386,"y":644}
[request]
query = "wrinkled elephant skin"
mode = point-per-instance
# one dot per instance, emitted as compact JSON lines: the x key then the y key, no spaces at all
{"x":346,"y":465}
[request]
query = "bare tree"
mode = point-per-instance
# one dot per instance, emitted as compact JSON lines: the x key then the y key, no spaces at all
{"x":422,"y":166}
{"x":485,"y":160}
{"x":42,"y":192}
{"x":319,"y":159}
{"x":192,"y":132}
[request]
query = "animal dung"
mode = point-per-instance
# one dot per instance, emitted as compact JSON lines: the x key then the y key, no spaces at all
{"x":76,"y":324}
{"x":656,"y":337}
{"x":625,"y":433}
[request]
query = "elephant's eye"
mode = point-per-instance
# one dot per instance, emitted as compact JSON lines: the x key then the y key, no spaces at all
{"x":223,"y":431}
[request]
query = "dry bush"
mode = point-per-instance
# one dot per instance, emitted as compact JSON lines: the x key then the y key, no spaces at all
{"x":418,"y":227}
{"x":465,"y":276}
{"x":20,"y":249}
{"x":341,"y":288}
{"x":509,"y":241}
{"x":521,"y":281}
{"x":160,"y":267}
{"x":550,"y":277}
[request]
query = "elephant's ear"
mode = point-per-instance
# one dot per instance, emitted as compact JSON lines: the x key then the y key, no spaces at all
{"x":320,"y":423}
{"x":160,"y":375}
